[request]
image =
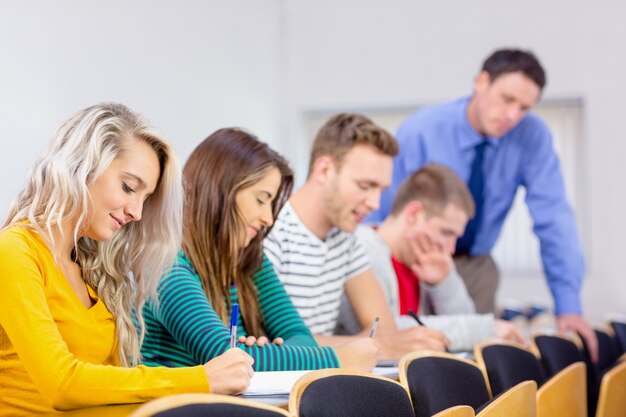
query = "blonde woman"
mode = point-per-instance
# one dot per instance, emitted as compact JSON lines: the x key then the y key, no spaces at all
{"x":97,"y":224}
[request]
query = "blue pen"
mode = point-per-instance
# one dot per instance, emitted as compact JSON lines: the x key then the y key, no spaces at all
{"x":234,"y":320}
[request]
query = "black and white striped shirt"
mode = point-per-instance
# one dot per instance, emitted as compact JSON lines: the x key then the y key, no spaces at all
{"x":313,"y":270}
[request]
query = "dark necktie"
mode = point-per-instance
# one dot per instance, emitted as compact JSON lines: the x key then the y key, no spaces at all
{"x":477,"y":187}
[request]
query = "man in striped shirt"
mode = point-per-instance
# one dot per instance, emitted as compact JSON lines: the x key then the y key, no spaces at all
{"x":314,"y":250}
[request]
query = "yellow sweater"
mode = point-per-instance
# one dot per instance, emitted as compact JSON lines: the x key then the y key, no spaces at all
{"x":57,"y":354}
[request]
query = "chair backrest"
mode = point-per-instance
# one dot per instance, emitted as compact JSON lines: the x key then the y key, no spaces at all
{"x":457,"y":411}
{"x":607,"y":351}
{"x":612,"y":398}
{"x":556,"y":352}
{"x":206,"y":405}
{"x":607,"y":355}
{"x":507,"y":364}
{"x":518,"y":401}
{"x":345,"y":393}
{"x":437,"y":381}
{"x":565,"y":394}
{"x":620,"y":334}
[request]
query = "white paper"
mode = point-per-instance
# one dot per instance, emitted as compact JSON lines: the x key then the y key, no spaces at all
{"x":386,"y":371}
{"x":280,"y":382}
{"x":273,"y":383}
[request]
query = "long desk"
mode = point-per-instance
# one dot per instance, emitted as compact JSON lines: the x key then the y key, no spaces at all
{"x":276,"y":399}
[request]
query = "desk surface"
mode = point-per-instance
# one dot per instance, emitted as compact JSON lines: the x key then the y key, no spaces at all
{"x":125,"y":410}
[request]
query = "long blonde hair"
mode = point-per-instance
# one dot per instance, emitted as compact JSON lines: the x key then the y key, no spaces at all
{"x":124,"y":271}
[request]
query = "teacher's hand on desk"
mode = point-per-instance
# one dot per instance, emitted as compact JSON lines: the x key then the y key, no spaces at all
{"x":358,"y":354}
{"x":230,"y":372}
{"x":576,"y":323}
{"x":395,"y":345}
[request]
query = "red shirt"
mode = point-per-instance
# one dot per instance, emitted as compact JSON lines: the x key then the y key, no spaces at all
{"x":408,"y":287}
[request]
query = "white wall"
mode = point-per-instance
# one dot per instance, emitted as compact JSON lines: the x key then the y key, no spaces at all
{"x":357,"y":54}
{"x":189,"y":66}
{"x":194,"y":66}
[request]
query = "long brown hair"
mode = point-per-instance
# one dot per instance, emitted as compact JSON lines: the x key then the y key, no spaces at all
{"x":226,"y":162}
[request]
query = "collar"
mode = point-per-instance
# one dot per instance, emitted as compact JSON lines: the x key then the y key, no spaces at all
{"x":470,"y":138}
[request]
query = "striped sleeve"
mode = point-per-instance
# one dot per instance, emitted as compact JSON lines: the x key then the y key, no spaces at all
{"x":358,"y":260}
{"x":281,"y":318}
{"x":185,"y":312}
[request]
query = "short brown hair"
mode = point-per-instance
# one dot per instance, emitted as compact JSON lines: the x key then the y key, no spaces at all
{"x":435,"y":186}
{"x":505,"y":61}
{"x":345,"y":130}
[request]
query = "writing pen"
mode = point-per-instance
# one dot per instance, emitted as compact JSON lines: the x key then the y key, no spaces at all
{"x":416,"y":317}
{"x":374,"y":326}
{"x":234,"y":320}
{"x":420,"y":322}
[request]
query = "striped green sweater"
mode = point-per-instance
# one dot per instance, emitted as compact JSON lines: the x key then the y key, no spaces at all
{"x":184,"y":330}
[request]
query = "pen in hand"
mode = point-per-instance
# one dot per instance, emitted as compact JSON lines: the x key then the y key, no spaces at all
{"x":234,"y":320}
{"x":420,"y":322}
{"x":416,"y":317}
{"x":374,"y":326}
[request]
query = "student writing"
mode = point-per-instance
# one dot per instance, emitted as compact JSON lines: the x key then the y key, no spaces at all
{"x":104,"y":203}
{"x":235,"y":187}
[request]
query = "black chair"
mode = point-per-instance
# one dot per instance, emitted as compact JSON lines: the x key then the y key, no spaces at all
{"x":438,"y":381}
{"x":556,"y":353}
{"x":620,"y":334}
{"x":206,"y":405}
{"x":344,"y":393}
{"x":507,"y":364}
{"x":607,"y":355}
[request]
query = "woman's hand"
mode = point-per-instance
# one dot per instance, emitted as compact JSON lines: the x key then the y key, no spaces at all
{"x":251,"y":340}
{"x":230,"y":372}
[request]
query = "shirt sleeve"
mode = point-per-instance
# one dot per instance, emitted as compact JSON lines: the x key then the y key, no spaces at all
{"x":280,"y":317}
{"x":379,"y":258}
{"x":358,"y":260}
{"x":554,"y":222}
{"x":186,"y":313}
{"x":463,"y":330}
{"x":448,"y":297}
{"x":63,"y":379}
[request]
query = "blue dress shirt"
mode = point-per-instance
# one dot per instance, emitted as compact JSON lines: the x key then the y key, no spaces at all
{"x":525,"y":157}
